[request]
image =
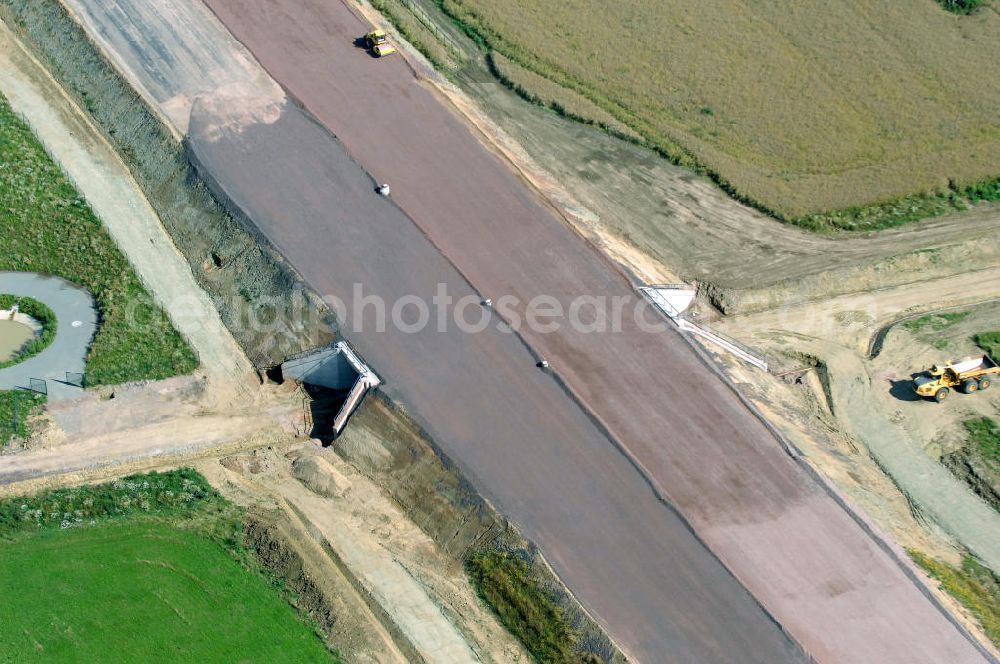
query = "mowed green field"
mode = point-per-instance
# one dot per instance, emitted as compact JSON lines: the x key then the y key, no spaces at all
{"x":802,"y":108}
{"x":140,"y":591}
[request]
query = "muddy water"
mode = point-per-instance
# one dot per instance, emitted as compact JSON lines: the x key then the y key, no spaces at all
{"x":12,"y":337}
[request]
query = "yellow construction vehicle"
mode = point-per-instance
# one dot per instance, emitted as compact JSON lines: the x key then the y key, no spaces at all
{"x":378,"y":43}
{"x":972,"y":374}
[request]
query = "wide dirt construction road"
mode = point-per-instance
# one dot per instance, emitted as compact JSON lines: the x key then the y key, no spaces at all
{"x":521,"y":440}
{"x":524,"y":443}
{"x":825,"y":579}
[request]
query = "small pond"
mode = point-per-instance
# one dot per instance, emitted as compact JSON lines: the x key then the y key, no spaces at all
{"x":13,"y":336}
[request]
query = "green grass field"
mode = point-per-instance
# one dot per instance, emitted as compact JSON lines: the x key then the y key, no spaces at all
{"x":141,"y":592}
{"x":801,"y":109}
{"x":46,"y":226}
{"x":147,"y":568}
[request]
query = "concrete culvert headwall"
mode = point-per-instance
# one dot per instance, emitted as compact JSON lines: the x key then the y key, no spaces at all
{"x":336,"y":379}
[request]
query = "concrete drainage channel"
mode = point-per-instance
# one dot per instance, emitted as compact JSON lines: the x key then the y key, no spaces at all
{"x":673,"y":300}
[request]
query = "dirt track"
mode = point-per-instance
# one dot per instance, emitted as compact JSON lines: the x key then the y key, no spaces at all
{"x":160,"y":420}
{"x":798,"y":551}
{"x":865,"y":393}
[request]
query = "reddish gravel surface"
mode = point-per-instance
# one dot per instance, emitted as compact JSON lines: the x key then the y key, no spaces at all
{"x":510,"y":427}
{"x":830,"y":584}
{"x":834,"y":588}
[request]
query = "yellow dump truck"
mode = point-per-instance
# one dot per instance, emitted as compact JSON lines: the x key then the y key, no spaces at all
{"x":972,"y":374}
{"x":378,"y":43}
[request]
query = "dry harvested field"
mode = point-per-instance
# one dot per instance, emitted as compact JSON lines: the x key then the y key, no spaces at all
{"x":801,"y":108}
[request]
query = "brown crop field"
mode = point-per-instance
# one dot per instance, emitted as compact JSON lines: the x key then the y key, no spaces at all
{"x":801,"y":108}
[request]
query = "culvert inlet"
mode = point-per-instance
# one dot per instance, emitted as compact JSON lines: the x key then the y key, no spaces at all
{"x":336,"y":380}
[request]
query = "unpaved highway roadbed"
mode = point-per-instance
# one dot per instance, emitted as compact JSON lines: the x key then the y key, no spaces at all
{"x":519,"y":437}
{"x":626,"y":555}
{"x":800,"y":553}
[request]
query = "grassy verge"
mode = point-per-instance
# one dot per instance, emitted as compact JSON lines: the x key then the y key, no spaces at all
{"x":46,"y":226}
{"x":15,"y":424}
{"x":506,"y":584}
{"x":984,"y":438}
{"x":934,"y":322}
{"x":176,"y":493}
{"x":972,"y":584}
{"x":149,"y":567}
{"x":989,"y":342}
{"x":977,"y":462}
{"x":896,"y":212}
{"x":421,"y":32}
{"x":41,"y":313}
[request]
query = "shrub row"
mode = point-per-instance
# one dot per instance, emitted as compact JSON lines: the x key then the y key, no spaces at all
{"x":961,"y":6}
{"x":168,"y":493}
